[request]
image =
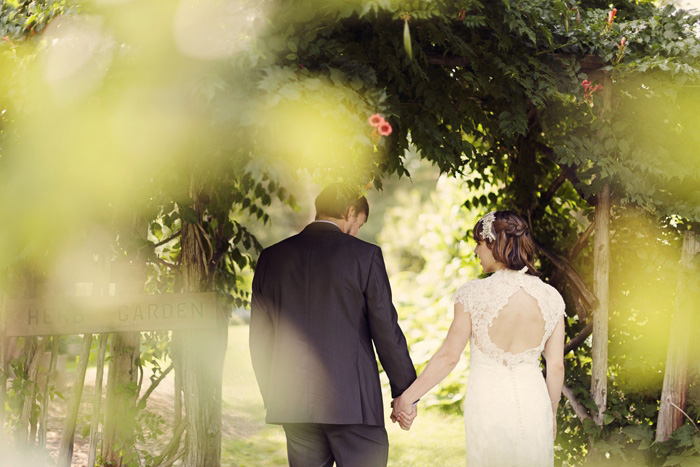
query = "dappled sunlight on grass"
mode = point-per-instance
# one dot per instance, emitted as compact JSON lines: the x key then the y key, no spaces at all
{"x":434,"y":440}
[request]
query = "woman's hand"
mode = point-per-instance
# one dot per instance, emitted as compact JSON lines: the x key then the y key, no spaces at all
{"x":404,"y":412}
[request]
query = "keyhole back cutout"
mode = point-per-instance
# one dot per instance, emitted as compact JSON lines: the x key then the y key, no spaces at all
{"x":519,"y":325}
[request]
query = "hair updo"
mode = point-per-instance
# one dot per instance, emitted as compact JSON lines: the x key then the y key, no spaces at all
{"x":514,"y":246}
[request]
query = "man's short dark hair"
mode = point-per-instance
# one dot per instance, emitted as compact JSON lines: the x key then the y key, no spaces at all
{"x":335,"y":200}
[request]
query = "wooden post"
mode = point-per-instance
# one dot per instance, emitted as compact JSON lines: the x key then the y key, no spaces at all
{"x":100,"y":288}
{"x":601,"y":280}
{"x":97,"y":404}
{"x":675,"y":389}
{"x":45,"y":393}
{"x":65,"y":454}
{"x":3,"y":366}
{"x":31,"y":365}
{"x":601,"y":272}
{"x":27,"y":421}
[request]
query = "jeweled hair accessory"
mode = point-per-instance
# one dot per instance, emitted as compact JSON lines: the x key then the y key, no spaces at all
{"x":487,"y":226}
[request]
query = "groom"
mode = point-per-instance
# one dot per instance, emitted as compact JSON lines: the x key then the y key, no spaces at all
{"x":320,"y":299}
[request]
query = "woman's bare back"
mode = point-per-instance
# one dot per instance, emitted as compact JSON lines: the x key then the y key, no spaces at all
{"x":519,"y":325}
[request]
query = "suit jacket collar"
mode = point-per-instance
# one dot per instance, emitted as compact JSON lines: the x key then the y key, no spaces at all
{"x":322,"y":226}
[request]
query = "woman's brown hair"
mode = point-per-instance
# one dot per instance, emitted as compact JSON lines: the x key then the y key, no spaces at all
{"x":514,"y":246}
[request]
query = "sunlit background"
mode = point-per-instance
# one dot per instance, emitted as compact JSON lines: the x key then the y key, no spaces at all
{"x":118,"y":118}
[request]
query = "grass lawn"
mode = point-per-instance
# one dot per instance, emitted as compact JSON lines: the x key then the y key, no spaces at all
{"x":434,"y":440}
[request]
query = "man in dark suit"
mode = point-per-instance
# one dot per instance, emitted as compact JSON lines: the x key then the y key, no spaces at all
{"x":320,"y":299}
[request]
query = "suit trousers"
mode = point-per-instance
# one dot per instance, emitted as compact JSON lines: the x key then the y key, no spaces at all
{"x":319,"y":445}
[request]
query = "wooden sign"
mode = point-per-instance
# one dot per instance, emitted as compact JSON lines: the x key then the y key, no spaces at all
{"x":79,"y":315}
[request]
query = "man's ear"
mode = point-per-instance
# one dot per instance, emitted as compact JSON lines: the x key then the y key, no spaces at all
{"x":351,"y":212}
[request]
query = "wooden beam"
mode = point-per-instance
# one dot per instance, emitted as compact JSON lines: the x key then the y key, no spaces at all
{"x":549,"y":194}
{"x":578,"y":407}
{"x":574,"y":278}
{"x":589,"y":63}
{"x":581,"y":242}
{"x":579,"y":338}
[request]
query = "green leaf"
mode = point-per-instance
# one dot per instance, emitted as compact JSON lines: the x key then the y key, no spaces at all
{"x":407,"y":40}
{"x":610,"y":144}
{"x":189,"y":215}
{"x":608,"y":419}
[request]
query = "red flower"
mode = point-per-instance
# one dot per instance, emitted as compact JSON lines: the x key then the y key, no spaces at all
{"x":376,"y":120}
{"x":589,"y":89}
{"x":611,"y":16}
{"x":384,"y":128}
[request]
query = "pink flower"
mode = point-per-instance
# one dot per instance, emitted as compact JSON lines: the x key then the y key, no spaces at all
{"x":611,"y":16}
{"x":384,"y":128}
{"x":623,"y":41}
{"x":376,"y":120}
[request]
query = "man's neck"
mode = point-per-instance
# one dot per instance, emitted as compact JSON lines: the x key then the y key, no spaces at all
{"x":340,"y":223}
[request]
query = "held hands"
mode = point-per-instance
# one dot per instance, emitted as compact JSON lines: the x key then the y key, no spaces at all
{"x":404,"y":412}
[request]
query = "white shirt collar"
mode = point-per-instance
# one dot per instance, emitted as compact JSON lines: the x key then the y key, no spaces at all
{"x":329,"y":222}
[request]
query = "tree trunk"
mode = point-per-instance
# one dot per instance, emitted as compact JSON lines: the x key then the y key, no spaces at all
{"x":122,"y":389}
{"x":120,"y":405}
{"x":675,"y":388}
{"x":65,"y":454}
{"x":601,"y":272}
{"x":201,"y":357}
{"x":35,"y":351}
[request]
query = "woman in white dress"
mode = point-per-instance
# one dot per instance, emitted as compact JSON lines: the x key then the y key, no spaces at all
{"x":510,"y":318}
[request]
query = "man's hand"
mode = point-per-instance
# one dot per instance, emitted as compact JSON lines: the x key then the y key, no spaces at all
{"x":404,"y":412}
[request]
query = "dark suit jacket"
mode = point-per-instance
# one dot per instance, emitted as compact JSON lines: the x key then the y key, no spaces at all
{"x":320,"y":298}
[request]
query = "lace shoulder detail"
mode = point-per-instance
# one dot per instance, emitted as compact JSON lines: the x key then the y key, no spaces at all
{"x":552,"y":306}
{"x":469,"y":295}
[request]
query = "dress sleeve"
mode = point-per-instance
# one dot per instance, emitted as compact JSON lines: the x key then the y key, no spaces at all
{"x":464,"y":295}
{"x":555,"y":302}
{"x":556,"y":308}
{"x":560,"y":306}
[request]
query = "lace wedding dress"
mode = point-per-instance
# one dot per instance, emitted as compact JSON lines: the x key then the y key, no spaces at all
{"x":507,"y":411}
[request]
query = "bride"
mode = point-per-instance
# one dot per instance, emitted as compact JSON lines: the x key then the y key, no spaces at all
{"x":510,"y":317}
